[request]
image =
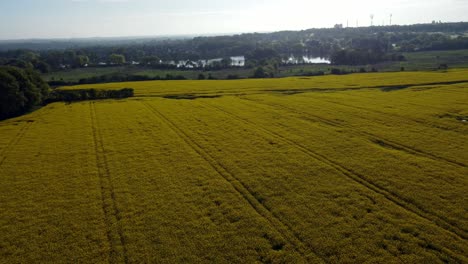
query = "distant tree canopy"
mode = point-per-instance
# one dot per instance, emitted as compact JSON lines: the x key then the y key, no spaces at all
{"x":117,"y":59}
{"x":20,"y":91}
{"x":260,"y":73}
{"x":361,"y":57}
{"x":81,"y":60}
{"x":363,"y":45}
{"x":150,"y":60}
{"x":262,"y":55}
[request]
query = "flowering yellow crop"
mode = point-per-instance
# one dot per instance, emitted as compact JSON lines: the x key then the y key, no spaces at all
{"x":335,"y":169}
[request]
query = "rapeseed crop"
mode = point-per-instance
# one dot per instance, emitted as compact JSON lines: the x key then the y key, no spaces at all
{"x":357,"y":168}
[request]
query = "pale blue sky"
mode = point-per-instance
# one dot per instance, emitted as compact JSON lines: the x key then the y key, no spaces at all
{"x":21,"y":19}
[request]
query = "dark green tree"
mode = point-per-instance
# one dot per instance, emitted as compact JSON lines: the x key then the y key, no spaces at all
{"x":260,"y":73}
{"x":117,"y":59}
{"x":20,"y":91}
{"x":42,"y":66}
{"x":150,"y":60}
{"x":80,"y":61}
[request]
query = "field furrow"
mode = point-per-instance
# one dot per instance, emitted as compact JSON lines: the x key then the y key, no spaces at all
{"x":228,"y":148}
{"x":360,"y":168}
{"x":50,"y":194}
{"x":422,"y":170}
{"x":15,"y":140}
{"x":361,"y":179}
{"x":115,"y":235}
{"x":19,"y":126}
{"x":243,"y":190}
{"x":363,"y":110}
{"x":350,"y":129}
{"x":427,"y":139}
{"x":175,"y":206}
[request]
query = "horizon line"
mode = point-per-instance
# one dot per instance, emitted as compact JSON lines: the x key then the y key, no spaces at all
{"x":189,"y":35}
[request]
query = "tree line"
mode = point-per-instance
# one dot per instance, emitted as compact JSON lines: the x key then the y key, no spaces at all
{"x":87,"y":94}
{"x":378,"y":43}
{"x":23,"y":90}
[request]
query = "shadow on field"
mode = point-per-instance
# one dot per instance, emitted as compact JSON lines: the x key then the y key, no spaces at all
{"x":417,"y":87}
{"x":190,"y":96}
{"x":394,"y":88}
{"x":457,"y":117}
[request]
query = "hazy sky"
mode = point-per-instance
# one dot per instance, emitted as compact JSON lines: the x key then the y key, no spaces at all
{"x":104,"y":18}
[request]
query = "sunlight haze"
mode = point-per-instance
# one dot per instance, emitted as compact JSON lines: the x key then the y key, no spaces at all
{"x":105,"y":18}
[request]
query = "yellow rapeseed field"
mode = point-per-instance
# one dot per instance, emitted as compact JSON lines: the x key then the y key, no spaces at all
{"x":363,"y":168}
